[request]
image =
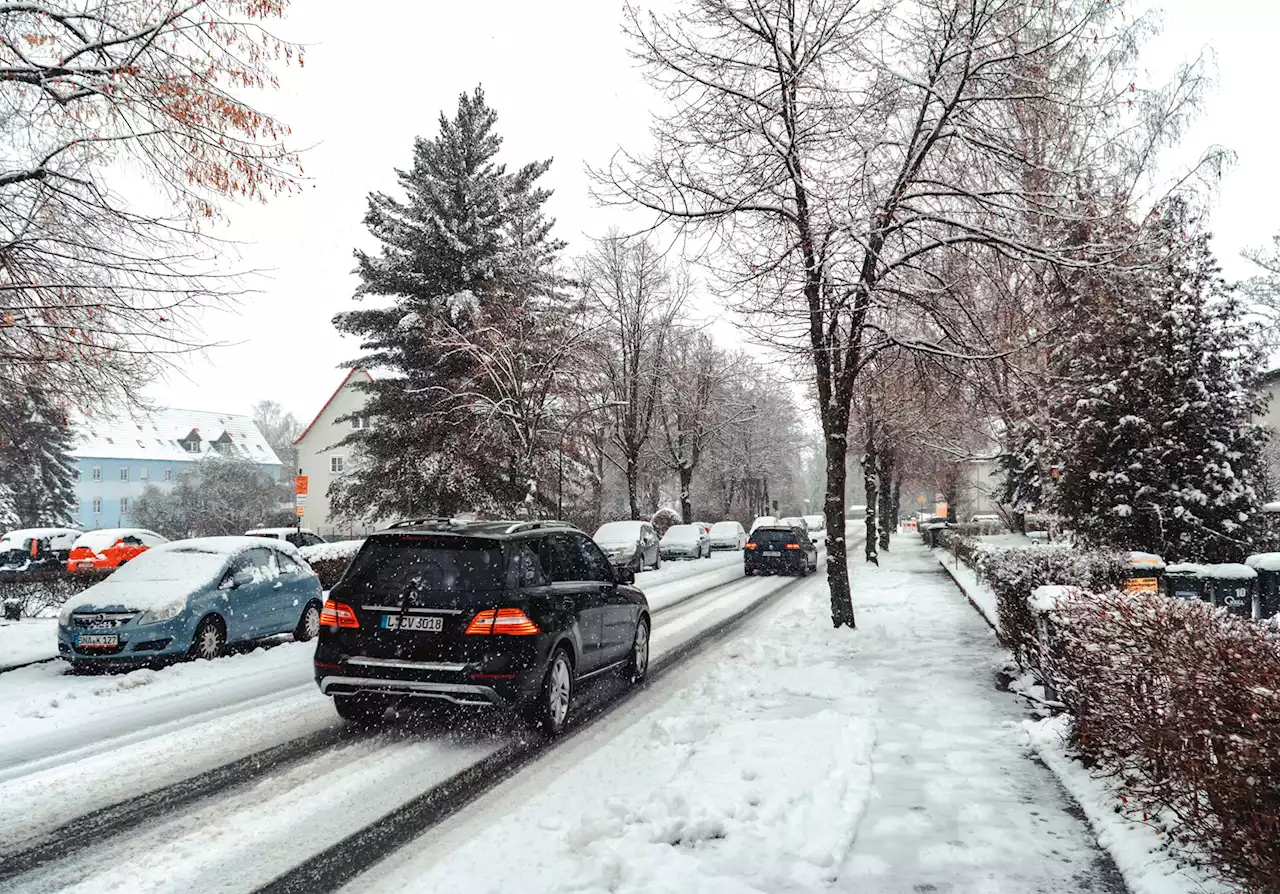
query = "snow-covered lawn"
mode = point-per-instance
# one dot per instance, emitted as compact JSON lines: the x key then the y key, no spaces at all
{"x":792,"y":758}
{"x":30,"y":639}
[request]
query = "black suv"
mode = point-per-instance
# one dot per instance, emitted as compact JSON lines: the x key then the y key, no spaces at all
{"x":779,"y":548}
{"x":488,"y":614}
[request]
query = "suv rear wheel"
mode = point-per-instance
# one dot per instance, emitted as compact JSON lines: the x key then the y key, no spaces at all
{"x":550,"y":709}
{"x":638,"y":664}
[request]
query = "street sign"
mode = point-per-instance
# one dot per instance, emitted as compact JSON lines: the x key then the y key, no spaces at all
{"x":300,"y":484}
{"x":302,"y":510}
{"x":300,"y":499}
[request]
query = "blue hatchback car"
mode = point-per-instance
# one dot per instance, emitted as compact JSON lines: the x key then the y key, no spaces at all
{"x":191,"y":598}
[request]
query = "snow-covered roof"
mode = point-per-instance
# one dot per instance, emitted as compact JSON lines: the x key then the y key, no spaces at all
{"x":1145,"y":560}
{"x":59,"y":538}
{"x":160,"y":436}
{"x":1225,"y":570}
{"x":1264,"y":562}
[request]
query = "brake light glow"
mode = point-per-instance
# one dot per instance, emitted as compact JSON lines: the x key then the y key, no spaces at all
{"x":793,"y":546}
{"x":750,"y":546}
{"x":511,"y":621}
{"x":337,"y":614}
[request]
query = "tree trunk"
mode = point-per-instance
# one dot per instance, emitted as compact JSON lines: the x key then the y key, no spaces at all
{"x":833,"y":509}
{"x":884,"y":498}
{"x":872,"y":488}
{"x":686,"y":506}
{"x":896,"y":500}
{"x":633,"y":488}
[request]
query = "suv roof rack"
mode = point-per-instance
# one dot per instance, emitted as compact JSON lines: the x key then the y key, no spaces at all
{"x":428,"y":520}
{"x":532,"y":525}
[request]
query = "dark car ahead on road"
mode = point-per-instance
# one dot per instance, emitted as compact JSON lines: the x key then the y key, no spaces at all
{"x":778,"y":549}
{"x":487,"y":614}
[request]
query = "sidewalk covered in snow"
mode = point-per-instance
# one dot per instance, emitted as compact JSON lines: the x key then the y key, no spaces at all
{"x":793,"y":757}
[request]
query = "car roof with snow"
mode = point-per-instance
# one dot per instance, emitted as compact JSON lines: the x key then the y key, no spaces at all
{"x":229,"y":545}
{"x":277,"y":532}
{"x":108,"y":536}
{"x":21,"y":534}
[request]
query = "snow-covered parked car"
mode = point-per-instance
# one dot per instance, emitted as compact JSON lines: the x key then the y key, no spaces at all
{"x":111,"y":547}
{"x":727,"y":535}
{"x":685,"y":542}
{"x":762,"y":521}
{"x":630,"y":544}
{"x":36,"y":549}
{"x":817,"y":525}
{"x":191,"y":598}
{"x":299,"y":537}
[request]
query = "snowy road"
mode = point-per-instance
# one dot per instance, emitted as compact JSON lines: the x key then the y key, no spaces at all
{"x":167,"y":726}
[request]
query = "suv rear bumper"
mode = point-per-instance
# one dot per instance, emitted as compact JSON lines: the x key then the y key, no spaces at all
{"x":472,"y":684}
{"x":458,"y":693}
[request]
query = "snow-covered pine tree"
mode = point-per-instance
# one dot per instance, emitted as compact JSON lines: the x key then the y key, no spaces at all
{"x":36,"y":484}
{"x":467,"y":250}
{"x":1161,"y":453}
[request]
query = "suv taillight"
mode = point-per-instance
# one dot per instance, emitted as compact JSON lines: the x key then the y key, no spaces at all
{"x":749,"y":545}
{"x":793,"y":546}
{"x":511,"y":621}
{"x":337,"y":614}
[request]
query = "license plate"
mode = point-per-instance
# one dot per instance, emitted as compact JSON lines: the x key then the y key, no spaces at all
{"x":97,"y":640}
{"x":772,"y":554}
{"x":423,"y":623}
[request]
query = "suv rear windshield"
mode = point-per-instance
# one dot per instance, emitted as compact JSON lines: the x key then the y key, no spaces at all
{"x":414,"y":562}
{"x":768,"y":537}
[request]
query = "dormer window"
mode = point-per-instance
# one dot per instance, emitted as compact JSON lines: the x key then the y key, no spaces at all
{"x":223,"y":444}
{"x":191,"y":443}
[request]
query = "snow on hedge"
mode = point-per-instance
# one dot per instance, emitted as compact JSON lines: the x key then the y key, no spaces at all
{"x":324,"y":552}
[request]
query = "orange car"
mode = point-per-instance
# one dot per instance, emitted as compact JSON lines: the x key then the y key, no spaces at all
{"x":110,"y":547}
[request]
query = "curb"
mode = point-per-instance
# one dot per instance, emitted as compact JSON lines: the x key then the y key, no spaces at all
{"x":961,"y":587}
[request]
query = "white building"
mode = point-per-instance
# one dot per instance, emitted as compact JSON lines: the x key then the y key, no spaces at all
{"x":322,"y":460}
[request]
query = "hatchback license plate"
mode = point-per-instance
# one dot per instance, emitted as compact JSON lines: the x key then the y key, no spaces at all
{"x":423,"y":623}
{"x":772,"y":554}
{"x":97,"y":640}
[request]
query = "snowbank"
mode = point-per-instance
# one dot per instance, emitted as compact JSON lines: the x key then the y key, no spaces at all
{"x":326,"y":552}
{"x":30,"y":639}
{"x":1137,"y":847}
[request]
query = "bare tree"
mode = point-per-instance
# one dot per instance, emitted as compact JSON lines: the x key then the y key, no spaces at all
{"x":97,"y":285}
{"x":636,"y":298}
{"x":834,"y":149}
{"x":695,"y":406}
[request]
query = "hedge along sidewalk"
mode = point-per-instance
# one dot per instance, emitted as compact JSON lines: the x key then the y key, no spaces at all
{"x":1174,"y":707}
{"x":980,"y":596}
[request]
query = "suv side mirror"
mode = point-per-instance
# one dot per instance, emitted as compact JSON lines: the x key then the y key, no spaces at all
{"x":624,"y":575}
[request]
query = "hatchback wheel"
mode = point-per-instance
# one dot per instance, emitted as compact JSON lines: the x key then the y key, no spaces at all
{"x":309,"y":624}
{"x":551,"y":708}
{"x":638,"y":665}
{"x":210,"y":641}
{"x":356,"y":709}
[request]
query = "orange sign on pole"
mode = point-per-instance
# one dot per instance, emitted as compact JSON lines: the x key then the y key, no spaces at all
{"x":300,"y":484}
{"x":302,"y":510}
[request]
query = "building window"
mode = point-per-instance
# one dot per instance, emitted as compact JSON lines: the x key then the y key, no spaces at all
{"x":75,"y":475}
{"x":335,"y":465}
{"x":168,"y":474}
{"x":124,"y":505}
{"x":359,"y":422}
{"x":144,"y":474}
{"x":97,"y":505}
{"x":97,"y":473}
{"x":124,"y":473}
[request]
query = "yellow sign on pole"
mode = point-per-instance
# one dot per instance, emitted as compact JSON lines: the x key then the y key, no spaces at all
{"x":302,"y":510}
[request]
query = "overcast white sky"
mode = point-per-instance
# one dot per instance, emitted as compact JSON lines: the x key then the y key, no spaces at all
{"x":563,"y":86}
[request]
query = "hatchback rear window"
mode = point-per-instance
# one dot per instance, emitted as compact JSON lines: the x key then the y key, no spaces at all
{"x":773,"y":538}
{"x":413,"y":563}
